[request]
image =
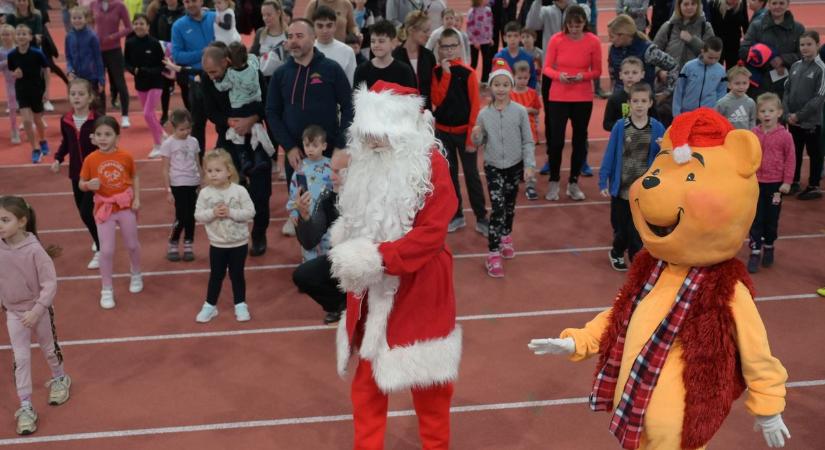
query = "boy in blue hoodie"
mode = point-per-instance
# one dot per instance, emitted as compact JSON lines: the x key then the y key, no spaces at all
{"x":630,"y":151}
{"x":83,"y":57}
{"x":702,"y":81}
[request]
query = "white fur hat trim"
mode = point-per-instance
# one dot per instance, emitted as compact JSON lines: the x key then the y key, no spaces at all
{"x":681,"y":154}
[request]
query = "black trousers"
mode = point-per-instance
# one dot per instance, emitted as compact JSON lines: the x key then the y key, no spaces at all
{"x":198,"y":112}
{"x":545,"y":101}
{"x":579,"y":115}
{"x":258,"y":183}
{"x":487,"y":52}
{"x":625,"y":235}
{"x":314,"y":278}
{"x":221,"y":260}
{"x":456,"y":146}
{"x":113,"y":62}
{"x":765,"y":227}
{"x":168,"y":87}
{"x":185,"y":199}
{"x":809,"y":139}
{"x":502,"y":184}
{"x":84,"y":201}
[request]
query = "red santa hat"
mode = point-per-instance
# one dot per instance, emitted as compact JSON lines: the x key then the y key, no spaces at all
{"x":703,"y":127}
{"x":386,"y":109}
{"x":500,"y":67}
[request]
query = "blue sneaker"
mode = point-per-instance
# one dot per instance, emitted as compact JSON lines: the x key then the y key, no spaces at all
{"x":44,"y":148}
{"x":545,"y":169}
{"x":35,"y":156}
{"x":587,"y":171}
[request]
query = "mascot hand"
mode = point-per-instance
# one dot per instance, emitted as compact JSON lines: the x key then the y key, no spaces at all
{"x":773,"y":429}
{"x":565,"y":346}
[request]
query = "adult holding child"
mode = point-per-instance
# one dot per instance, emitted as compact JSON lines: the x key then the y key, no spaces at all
{"x":780,"y":32}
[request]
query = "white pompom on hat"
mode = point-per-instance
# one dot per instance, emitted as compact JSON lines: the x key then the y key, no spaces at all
{"x":703,"y":127}
{"x":501,"y":68}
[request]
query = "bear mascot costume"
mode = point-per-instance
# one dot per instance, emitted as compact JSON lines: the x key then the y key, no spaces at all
{"x":683,"y":338}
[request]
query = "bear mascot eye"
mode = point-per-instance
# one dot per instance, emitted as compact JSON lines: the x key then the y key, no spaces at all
{"x":690,"y":177}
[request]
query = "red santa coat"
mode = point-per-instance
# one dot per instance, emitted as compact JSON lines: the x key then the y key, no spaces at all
{"x":405,"y":322}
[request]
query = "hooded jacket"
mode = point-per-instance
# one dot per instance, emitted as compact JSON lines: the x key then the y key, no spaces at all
{"x":28,"y":281}
{"x":77,"y":144}
{"x":782,"y":38}
{"x":299,"y":96}
{"x":83,"y":57}
{"x":668,"y":39}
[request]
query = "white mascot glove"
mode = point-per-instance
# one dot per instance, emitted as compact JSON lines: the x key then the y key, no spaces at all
{"x":773,"y":429}
{"x":565,"y":346}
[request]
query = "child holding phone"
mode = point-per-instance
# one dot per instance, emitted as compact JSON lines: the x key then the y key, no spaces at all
{"x":314,"y":177}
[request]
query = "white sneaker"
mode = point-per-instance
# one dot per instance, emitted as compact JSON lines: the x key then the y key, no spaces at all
{"x":574,"y":192}
{"x":94,"y":247}
{"x":15,"y":137}
{"x":552,"y":191}
{"x":136,"y":283}
{"x":107,"y":298}
{"x":242,"y":312}
{"x":207,"y":313}
{"x":124,"y":122}
{"x":155,"y":153}
{"x":288,"y":229}
{"x":48,"y":106}
{"x":95,"y":262}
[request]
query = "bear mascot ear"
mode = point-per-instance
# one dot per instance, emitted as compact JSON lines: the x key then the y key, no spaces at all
{"x":746,"y":151}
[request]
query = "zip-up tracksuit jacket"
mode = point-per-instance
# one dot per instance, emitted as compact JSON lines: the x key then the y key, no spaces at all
{"x":190,"y":37}
{"x":83,"y":57}
{"x":77,"y":144}
{"x":699,"y":85}
{"x":805,"y":92}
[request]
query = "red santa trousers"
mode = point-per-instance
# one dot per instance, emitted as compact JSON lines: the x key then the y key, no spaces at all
{"x":369,"y":404}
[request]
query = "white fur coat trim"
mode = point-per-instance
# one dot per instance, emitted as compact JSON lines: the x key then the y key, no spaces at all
{"x":357,"y":264}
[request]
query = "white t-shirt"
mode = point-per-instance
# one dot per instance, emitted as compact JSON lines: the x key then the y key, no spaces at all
{"x":183,"y":160}
{"x":340,"y":53}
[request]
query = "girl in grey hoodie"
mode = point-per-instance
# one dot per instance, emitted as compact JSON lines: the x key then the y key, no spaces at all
{"x":28,"y":283}
{"x":683,"y":35}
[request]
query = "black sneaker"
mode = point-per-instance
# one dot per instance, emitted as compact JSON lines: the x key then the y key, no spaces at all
{"x":753,"y":262}
{"x":767,"y":256}
{"x":531,"y":193}
{"x":258,"y":247}
{"x":810,"y":193}
{"x":332,"y":317}
{"x":617,"y":262}
{"x":794,"y":189}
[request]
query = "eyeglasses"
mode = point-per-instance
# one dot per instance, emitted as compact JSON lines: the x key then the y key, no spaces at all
{"x":448,"y":47}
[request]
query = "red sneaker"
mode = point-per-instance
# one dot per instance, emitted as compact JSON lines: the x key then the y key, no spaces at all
{"x":495,"y":267}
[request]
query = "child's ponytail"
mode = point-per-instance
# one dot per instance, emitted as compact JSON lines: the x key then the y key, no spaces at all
{"x":21,"y":209}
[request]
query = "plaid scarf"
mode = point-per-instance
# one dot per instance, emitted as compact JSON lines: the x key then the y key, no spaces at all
{"x":626,"y":423}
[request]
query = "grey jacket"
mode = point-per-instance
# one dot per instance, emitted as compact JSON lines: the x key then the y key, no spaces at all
{"x":667,"y":38}
{"x":782,"y":38}
{"x":506,"y":136}
{"x":805,"y":92}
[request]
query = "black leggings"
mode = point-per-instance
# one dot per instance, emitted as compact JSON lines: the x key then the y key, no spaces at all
{"x":84,"y":201}
{"x":185,"y":199}
{"x":113,"y":61}
{"x":765,"y":227}
{"x":168,"y":87}
{"x":221,"y":259}
{"x":579,"y":114}
{"x":314,"y":278}
{"x":809,"y":139}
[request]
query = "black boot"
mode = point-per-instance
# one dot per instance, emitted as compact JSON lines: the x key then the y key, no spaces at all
{"x":767,"y":256}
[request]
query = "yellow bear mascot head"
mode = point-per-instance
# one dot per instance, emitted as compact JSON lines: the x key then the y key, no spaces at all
{"x":696,"y":203}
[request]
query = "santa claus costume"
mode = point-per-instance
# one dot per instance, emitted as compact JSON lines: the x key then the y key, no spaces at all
{"x":389,"y":254}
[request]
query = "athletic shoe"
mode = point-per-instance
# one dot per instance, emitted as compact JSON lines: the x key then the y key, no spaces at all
{"x":107,"y":298}
{"x":494,"y":265}
{"x":26,"y":420}
{"x":587,"y":171}
{"x":173,"y":252}
{"x":506,"y":247}
{"x":35,"y":156}
{"x":94,"y":247}
{"x":115,"y":103}
{"x":59,"y":389}
{"x":483,"y":227}
{"x":95,"y":262}
{"x":124,"y":122}
{"x":155,"y":153}
{"x":456,"y":223}
{"x":810,"y":193}
{"x":767,"y":256}
{"x":617,"y":262}
{"x":44,"y":148}
{"x":553,"y":191}
{"x":136,"y":283}
{"x":545,"y":169}
{"x":531,"y":192}
{"x":48,"y":106}
{"x":574,"y":192}
{"x":242,"y":312}
{"x":753,"y":261}
{"x":188,"y":253}
{"x":207,"y":313}
{"x":332,"y":317}
{"x":821,"y":291}
{"x":15,"y":137}
{"x":288,"y":229}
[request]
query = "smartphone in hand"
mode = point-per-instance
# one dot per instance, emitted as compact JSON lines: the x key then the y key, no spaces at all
{"x":302,"y":182}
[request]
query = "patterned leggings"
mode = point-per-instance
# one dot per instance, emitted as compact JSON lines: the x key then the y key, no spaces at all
{"x":502,"y":185}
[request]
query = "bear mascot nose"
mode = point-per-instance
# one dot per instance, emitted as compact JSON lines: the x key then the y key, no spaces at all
{"x":650,"y":182}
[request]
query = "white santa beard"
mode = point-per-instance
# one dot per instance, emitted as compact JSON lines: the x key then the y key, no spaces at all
{"x":385,"y":189}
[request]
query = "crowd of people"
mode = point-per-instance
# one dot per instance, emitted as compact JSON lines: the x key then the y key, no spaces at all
{"x":483,"y":74}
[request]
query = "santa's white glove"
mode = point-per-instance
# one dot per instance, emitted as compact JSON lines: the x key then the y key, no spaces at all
{"x":773,"y":429}
{"x":565,"y":346}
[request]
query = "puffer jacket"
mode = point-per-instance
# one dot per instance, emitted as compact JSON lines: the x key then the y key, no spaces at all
{"x":667,"y":38}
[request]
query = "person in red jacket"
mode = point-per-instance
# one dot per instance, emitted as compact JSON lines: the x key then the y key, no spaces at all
{"x":390,"y":256}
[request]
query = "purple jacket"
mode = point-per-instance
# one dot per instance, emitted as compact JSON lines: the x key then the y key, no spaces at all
{"x":106,"y":23}
{"x":28,"y":280}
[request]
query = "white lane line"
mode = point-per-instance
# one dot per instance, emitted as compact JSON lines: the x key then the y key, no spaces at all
{"x":310,"y":420}
{"x":277,"y":330}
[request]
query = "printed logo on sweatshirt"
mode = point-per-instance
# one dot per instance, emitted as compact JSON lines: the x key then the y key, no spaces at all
{"x":740,"y":115}
{"x":315,"y":78}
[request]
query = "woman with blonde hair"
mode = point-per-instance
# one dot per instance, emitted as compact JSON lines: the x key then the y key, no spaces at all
{"x":415,"y":32}
{"x":626,"y":40}
{"x":684,"y":34}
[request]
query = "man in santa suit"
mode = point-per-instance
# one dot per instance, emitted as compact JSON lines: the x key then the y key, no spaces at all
{"x":390,"y":255}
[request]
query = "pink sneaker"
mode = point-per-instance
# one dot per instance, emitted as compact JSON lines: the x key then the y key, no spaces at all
{"x":495,"y":268}
{"x":506,"y":247}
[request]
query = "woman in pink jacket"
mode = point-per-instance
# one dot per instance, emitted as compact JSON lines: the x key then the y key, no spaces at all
{"x":573,"y":61}
{"x":27,"y":286}
{"x":109,"y":15}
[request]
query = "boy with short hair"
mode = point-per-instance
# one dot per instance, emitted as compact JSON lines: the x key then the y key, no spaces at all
{"x":513,"y":53}
{"x":456,"y":104}
{"x":736,"y":106}
{"x":702,"y":80}
{"x":529,"y":99}
{"x":528,"y":43}
{"x":631,"y":72}
{"x":383,"y":66}
{"x":324,"y":21}
{"x":355,"y":44}
{"x":450,"y":20}
{"x":630,"y":151}
{"x":313,"y":178}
